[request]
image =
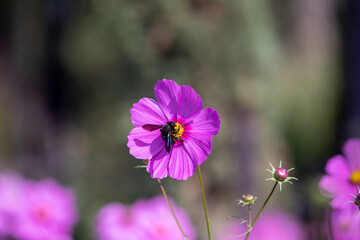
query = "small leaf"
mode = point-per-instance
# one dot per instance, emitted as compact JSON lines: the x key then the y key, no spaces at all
{"x":140,"y":166}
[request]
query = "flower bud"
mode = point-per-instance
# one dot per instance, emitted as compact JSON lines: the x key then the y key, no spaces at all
{"x":357,"y":200}
{"x":247,"y":199}
{"x":281,"y":174}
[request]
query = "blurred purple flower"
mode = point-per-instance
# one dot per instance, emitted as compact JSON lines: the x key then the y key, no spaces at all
{"x":175,"y":133}
{"x":115,"y":221}
{"x":271,"y":225}
{"x":145,"y":219}
{"x":345,"y":223}
{"x":32,"y":210}
{"x":49,"y":211}
{"x":343,"y":175}
{"x":11,"y":197}
{"x":156,"y":219}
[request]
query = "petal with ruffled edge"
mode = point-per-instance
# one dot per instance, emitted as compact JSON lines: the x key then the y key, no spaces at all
{"x":144,"y":144}
{"x":147,"y":111}
{"x":208,"y":121}
{"x":158,"y":164}
{"x":166,"y":92}
{"x":331,"y":186}
{"x":338,"y":189}
{"x":181,"y":165}
{"x":351,"y":150}
{"x":190,"y":104}
{"x":341,"y":200}
{"x":337,"y":166}
{"x":197,"y":146}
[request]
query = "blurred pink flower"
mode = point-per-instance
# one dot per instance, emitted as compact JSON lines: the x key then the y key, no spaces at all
{"x":115,"y":221}
{"x":49,"y":211}
{"x":174,"y":133}
{"x":345,"y":223}
{"x":343,"y":175}
{"x":32,"y":210}
{"x":145,"y":219}
{"x":156,"y":219}
{"x":271,"y":225}
{"x":11,"y":197}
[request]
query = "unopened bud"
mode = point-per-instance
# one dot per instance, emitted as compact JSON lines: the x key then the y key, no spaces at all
{"x":281,"y":174}
{"x":357,"y":200}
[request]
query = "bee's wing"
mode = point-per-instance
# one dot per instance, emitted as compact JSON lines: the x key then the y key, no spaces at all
{"x":151,"y":127}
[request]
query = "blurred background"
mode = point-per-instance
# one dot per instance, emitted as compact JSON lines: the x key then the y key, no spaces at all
{"x":282,"y":75}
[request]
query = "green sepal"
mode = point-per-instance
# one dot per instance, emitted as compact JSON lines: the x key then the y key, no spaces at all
{"x":140,"y":166}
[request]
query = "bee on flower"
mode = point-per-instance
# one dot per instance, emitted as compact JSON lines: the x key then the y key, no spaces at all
{"x":173,"y":133}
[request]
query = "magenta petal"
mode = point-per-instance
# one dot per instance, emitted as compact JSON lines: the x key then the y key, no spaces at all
{"x":190,"y":104}
{"x":166,"y":92}
{"x":208,"y":121}
{"x":337,"y":166}
{"x":158,"y":164}
{"x":181,"y":165}
{"x":198,"y":146}
{"x":115,"y":221}
{"x":351,"y":150}
{"x":331,"y":185}
{"x":143,"y":144}
{"x":338,"y":189}
{"x":147,"y":111}
{"x":341,"y":200}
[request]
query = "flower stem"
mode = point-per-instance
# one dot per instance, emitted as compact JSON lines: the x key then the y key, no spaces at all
{"x":205,"y":208}
{"x":171,"y":209}
{"x":249,"y":223}
{"x":262,"y":207}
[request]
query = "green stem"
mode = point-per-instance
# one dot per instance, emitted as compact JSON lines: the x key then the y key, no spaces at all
{"x":249,"y":223}
{"x":262,"y":207}
{"x":205,"y":208}
{"x":171,"y":209}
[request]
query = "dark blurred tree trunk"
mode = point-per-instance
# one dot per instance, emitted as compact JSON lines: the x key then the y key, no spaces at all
{"x":39,"y":83}
{"x":27,"y":57}
{"x":56,"y":85}
{"x":351,"y":106}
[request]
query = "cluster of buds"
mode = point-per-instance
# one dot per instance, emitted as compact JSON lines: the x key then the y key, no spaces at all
{"x":280,"y":175}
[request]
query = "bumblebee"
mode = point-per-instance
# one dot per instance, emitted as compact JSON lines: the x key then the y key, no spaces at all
{"x":170,"y":133}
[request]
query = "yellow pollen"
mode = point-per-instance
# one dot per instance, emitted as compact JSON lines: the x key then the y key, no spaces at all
{"x":178,"y":131}
{"x":355,"y":177}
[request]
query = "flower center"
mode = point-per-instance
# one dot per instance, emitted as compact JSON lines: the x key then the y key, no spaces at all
{"x":178,"y":131}
{"x":161,"y":232}
{"x":247,"y":198}
{"x":355,"y":177}
{"x":41,"y":213}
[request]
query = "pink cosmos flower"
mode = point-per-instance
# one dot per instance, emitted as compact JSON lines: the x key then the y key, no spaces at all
{"x":156,"y":219}
{"x":11,"y":197}
{"x":174,"y":133}
{"x":115,"y":221}
{"x":49,"y":211}
{"x":145,"y":219}
{"x":343,"y":175}
{"x":345,"y":223}
{"x":271,"y":225}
